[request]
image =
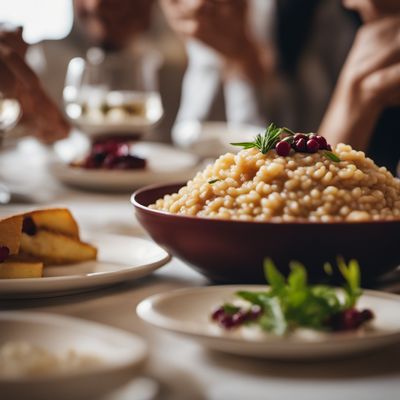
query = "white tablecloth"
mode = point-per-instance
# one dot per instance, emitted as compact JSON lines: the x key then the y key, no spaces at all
{"x":181,"y":367}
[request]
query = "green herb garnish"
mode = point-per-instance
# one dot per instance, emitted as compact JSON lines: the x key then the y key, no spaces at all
{"x":264,"y":142}
{"x":292,"y":302}
{"x":331,"y":156}
{"x":211,"y":181}
{"x":273,"y":135}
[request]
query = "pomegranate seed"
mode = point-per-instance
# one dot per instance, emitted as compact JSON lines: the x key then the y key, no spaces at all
{"x":122,"y":150}
{"x":254,"y":313}
{"x":301,"y":145}
{"x":298,"y":136}
{"x":238,"y":318}
{"x":218,"y":313}
{"x":283,"y":148}
{"x":366,"y":315}
{"x":227,"y":321}
{"x":312,"y":146}
{"x":4,"y":253}
{"x":321,"y":141}
{"x":29,"y":226}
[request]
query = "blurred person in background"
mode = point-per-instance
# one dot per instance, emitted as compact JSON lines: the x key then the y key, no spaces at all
{"x":114,"y":25}
{"x":40,"y":115}
{"x":308,"y":51}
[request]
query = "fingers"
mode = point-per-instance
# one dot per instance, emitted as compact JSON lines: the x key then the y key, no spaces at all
{"x":15,"y":63}
{"x":384,"y":85}
{"x":39,"y":111}
{"x":11,"y":36}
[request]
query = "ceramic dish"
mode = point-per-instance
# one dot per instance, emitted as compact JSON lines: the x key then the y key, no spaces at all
{"x":119,"y":354}
{"x":120,"y":258}
{"x":164,"y":164}
{"x":233,"y":251}
{"x":187,"y":312}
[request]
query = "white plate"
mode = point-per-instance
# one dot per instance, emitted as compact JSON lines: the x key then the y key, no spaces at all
{"x":120,"y":258}
{"x":121,"y":355}
{"x":165,"y":164}
{"x":211,"y":139}
{"x":187,"y":311}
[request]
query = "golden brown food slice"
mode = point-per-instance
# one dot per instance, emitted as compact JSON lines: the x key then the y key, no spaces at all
{"x":55,"y":219}
{"x":55,"y":248}
{"x":16,"y":267}
{"x":10,"y":233}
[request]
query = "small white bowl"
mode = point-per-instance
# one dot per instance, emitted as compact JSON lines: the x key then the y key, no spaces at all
{"x":120,"y":355}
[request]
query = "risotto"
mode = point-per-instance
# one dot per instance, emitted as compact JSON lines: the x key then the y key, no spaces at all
{"x":253,"y":186}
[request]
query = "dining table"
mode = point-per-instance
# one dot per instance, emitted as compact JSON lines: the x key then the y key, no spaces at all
{"x":178,"y":367}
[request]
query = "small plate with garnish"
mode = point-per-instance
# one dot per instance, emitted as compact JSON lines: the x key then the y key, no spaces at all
{"x":46,"y":356}
{"x":289,"y":319}
{"x":119,"y":164}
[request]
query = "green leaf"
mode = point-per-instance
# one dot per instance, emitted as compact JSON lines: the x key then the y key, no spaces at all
{"x":251,"y":297}
{"x":230,"y":308}
{"x":289,"y":131}
{"x":331,"y":156}
{"x":274,"y":278}
{"x":273,"y":320}
{"x":211,"y":181}
{"x":328,"y":268}
{"x":297,"y":278}
{"x":263,"y":142}
{"x":246,"y":145}
{"x":351,"y":274}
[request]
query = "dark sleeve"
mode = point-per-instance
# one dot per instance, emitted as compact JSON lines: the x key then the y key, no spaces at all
{"x":384,"y":147}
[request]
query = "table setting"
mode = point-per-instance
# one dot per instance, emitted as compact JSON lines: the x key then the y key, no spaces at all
{"x":230,"y":258}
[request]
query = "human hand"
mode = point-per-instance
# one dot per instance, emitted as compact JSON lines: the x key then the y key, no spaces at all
{"x":371,"y":10}
{"x":11,"y":36}
{"x":222,"y":25}
{"x":40,"y":114}
{"x":113,"y":23}
{"x":368,"y":83}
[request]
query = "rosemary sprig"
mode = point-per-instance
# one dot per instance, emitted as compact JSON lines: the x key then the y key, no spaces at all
{"x":264,"y":142}
{"x":331,"y":156}
{"x":272,"y":135}
{"x":211,"y":181}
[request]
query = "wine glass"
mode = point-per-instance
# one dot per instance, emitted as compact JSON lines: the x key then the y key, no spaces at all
{"x":10,"y":113}
{"x":111,"y":93}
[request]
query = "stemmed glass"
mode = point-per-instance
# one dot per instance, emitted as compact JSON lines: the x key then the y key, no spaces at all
{"x":10,"y":113}
{"x":113,"y":93}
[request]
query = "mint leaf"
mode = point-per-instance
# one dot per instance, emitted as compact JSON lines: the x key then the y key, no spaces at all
{"x":273,"y":320}
{"x":274,"y":278}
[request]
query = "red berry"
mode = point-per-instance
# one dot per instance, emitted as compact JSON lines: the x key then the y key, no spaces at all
{"x":122,"y":150}
{"x":110,"y":161}
{"x":218,"y":313}
{"x":4,"y":252}
{"x":366,"y":315}
{"x":312,"y":146}
{"x":282,"y":148}
{"x":301,"y":145}
{"x":298,"y":136}
{"x":321,"y":141}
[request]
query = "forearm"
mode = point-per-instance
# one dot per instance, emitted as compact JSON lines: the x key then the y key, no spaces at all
{"x":349,"y":120}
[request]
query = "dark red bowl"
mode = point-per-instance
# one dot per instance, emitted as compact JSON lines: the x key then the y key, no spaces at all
{"x":233,"y":251}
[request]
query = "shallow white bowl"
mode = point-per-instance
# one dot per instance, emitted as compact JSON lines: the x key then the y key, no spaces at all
{"x":121,"y":353}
